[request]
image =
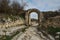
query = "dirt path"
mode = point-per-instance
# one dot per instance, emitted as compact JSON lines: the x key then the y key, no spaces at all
{"x":31,"y":33}
{"x":27,"y":33}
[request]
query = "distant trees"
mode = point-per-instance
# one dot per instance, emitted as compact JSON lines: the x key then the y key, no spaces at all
{"x":58,"y":10}
{"x":14,"y":8}
{"x":49,"y":14}
{"x":4,"y":6}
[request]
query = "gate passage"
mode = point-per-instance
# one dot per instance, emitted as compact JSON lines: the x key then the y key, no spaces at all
{"x":27,"y":16}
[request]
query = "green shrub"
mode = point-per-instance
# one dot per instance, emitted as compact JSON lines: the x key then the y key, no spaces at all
{"x":51,"y":30}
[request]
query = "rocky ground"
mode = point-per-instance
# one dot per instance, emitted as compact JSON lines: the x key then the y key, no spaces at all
{"x":26,"y":33}
{"x":32,"y":33}
{"x":15,"y":31}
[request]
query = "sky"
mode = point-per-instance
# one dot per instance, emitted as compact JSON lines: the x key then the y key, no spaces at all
{"x":34,"y":15}
{"x":42,"y":5}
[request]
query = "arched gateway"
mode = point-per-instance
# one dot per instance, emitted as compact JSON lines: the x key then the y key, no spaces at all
{"x":27,"y":16}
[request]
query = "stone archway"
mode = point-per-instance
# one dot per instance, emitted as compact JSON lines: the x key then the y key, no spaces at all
{"x":27,"y":16}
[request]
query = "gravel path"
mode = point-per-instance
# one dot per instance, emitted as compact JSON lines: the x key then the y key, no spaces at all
{"x":31,"y":33}
{"x":26,"y":33}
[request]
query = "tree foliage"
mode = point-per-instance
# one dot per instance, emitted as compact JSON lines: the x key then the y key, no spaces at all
{"x":6,"y":7}
{"x":16,"y":7}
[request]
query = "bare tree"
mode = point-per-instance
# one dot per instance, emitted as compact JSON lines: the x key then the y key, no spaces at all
{"x":14,"y":8}
{"x":17,"y":7}
{"x":4,"y":6}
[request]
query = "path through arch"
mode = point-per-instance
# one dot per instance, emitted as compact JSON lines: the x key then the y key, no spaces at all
{"x":33,"y":19}
{"x":27,"y":16}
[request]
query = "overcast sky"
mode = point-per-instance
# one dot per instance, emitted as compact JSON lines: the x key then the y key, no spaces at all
{"x":42,"y":5}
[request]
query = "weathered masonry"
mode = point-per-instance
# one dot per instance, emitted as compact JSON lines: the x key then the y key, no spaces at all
{"x":27,"y":16}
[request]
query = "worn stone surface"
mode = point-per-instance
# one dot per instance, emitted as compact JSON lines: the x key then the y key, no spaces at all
{"x":32,"y":33}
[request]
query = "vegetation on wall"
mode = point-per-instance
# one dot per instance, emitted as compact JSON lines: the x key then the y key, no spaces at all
{"x":49,"y":14}
{"x":14,"y":8}
{"x":51,"y":30}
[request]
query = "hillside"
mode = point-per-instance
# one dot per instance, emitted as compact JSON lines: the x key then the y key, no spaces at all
{"x":10,"y":20}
